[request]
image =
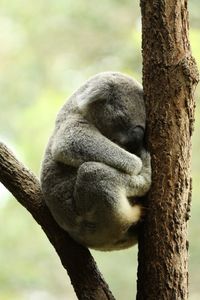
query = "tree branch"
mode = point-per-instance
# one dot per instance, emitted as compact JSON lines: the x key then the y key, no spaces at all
{"x":87,"y":281}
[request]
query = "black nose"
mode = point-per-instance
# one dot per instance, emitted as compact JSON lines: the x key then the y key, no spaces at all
{"x":135,"y":139}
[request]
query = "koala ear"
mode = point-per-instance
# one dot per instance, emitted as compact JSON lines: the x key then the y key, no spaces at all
{"x":92,"y":93}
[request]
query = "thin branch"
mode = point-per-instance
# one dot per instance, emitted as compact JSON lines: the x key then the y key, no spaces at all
{"x":86,"y":279}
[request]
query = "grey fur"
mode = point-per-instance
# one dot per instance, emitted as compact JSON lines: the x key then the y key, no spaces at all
{"x":89,"y":176}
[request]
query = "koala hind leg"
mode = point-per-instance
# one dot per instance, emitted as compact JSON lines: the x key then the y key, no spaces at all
{"x":100,"y":193}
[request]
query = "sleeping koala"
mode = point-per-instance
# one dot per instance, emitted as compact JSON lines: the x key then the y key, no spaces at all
{"x":95,"y":165}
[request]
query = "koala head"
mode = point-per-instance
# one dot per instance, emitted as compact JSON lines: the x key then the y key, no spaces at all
{"x":114,"y":103}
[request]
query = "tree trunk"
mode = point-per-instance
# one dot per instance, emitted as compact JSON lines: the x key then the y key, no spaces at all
{"x":169,"y":79}
{"x":77,"y":260}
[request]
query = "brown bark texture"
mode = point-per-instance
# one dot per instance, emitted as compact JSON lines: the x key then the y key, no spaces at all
{"x":169,"y":79}
{"x":77,"y":260}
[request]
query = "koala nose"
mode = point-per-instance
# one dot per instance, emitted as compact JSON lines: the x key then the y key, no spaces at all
{"x":135,"y":139}
{"x":137,"y":133}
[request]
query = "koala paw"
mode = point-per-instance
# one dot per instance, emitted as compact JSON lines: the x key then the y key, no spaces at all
{"x":134,"y":166}
{"x":146,"y":168}
{"x":146,"y":158}
{"x":138,"y":166}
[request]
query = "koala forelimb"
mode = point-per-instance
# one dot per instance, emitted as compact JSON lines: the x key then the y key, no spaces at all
{"x":70,"y":148}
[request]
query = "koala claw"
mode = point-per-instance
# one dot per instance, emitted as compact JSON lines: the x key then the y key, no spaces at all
{"x":145,"y":157}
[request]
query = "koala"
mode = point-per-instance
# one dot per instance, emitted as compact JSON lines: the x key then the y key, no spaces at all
{"x":95,"y":167}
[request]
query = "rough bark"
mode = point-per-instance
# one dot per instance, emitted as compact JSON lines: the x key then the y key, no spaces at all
{"x":169,"y":79}
{"x":77,"y":260}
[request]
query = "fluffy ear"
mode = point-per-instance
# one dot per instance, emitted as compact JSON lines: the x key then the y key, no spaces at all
{"x":94,"y":91}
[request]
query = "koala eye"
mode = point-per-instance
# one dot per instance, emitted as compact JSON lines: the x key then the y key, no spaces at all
{"x":120,"y":122}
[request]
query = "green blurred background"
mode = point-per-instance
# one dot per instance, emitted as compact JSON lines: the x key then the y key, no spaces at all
{"x":48,"y":48}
